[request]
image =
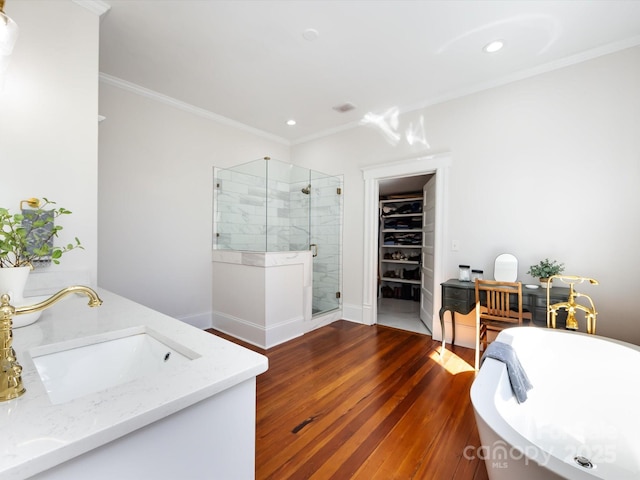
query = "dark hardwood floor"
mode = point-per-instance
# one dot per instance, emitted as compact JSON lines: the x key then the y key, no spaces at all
{"x":350,"y":401}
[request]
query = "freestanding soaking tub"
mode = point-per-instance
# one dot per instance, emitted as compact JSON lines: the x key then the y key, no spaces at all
{"x":580,"y":420}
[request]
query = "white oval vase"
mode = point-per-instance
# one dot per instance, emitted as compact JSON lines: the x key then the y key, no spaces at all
{"x":12,"y":282}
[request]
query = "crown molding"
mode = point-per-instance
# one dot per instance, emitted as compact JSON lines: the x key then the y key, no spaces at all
{"x":201,"y":112}
{"x":498,"y":82}
{"x":95,"y":6}
{"x":548,"y":67}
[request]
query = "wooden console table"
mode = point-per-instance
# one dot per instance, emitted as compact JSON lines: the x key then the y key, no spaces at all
{"x":460,"y":297}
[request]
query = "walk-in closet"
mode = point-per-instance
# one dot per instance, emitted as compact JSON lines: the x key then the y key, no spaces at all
{"x":403,"y":236}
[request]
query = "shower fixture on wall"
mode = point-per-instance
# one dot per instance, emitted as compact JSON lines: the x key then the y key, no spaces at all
{"x":306,"y":190}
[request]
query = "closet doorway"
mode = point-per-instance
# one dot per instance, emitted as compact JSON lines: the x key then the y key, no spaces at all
{"x":438,"y":165}
{"x":405,"y":253}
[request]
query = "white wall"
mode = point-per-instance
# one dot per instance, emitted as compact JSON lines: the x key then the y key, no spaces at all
{"x":155,"y":209}
{"x":558,"y":155}
{"x":48,"y":126}
{"x":544,"y":167}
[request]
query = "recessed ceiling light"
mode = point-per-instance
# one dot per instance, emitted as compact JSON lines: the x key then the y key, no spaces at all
{"x":291,"y":122}
{"x":494,"y":46}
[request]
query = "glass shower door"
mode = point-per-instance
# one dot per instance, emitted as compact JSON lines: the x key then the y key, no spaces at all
{"x":325,"y":220}
{"x":270,"y":206}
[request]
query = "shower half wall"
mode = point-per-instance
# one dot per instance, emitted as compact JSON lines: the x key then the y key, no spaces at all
{"x":277,"y":246}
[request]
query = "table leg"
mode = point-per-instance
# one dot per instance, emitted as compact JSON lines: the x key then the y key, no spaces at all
{"x":453,"y":327}
{"x":442,"y":310}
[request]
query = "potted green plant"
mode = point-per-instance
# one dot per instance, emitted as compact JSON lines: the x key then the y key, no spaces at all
{"x":26,"y":238}
{"x":544,"y":269}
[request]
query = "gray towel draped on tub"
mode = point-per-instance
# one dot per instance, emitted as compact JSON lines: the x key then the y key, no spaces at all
{"x":505,"y":353}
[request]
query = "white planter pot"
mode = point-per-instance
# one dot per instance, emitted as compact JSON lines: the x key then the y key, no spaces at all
{"x":12,"y":282}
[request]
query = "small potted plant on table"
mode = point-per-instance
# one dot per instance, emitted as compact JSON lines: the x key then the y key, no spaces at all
{"x":545,"y":269}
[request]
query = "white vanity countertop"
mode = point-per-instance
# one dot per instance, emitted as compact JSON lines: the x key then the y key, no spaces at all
{"x":36,"y":435}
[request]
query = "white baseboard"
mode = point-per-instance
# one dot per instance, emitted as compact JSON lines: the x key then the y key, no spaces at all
{"x":257,"y":334}
{"x":324,"y":319}
{"x":353,"y":313}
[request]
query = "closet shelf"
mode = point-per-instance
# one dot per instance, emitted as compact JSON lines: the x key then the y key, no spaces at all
{"x":406,"y":262}
{"x":401,"y":280}
{"x":401,"y":222}
{"x":403,"y":215}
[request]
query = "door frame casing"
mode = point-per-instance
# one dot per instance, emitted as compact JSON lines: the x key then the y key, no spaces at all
{"x":437,"y":164}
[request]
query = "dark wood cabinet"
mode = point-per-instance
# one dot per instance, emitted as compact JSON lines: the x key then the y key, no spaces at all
{"x":460,"y":297}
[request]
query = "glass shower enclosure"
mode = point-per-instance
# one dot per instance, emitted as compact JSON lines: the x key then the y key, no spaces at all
{"x":271,"y":206}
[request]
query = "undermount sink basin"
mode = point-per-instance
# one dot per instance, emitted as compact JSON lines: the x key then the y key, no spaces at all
{"x":79,"y":367}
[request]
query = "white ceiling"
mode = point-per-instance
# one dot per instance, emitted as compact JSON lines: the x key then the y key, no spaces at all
{"x":249,"y":61}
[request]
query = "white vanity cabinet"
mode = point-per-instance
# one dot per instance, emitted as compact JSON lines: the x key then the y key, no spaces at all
{"x":214,"y":438}
{"x":192,"y":420}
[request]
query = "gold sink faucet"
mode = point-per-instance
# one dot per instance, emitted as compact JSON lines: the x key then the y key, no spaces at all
{"x":10,"y":370}
{"x":571,"y":306}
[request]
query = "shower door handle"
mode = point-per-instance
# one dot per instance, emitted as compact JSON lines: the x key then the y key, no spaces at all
{"x":314,"y":249}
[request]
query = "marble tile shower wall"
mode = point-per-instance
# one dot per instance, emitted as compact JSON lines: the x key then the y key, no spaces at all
{"x":240,"y":211}
{"x":277,"y":198}
{"x":254,"y":214}
{"x":299,"y":217}
{"x":258,"y":215}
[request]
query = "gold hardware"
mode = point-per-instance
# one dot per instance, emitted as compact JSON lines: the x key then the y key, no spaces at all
{"x":571,"y":306}
{"x":337,"y":294}
{"x":267,"y":158}
{"x":32,"y":202}
{"x":338,"y":191}
{"x":10,"y":374}
{"x":314,"y":248}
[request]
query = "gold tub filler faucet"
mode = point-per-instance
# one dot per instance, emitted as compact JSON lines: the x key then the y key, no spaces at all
{"x":571,"y":306}
{"x":10,"y":370}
